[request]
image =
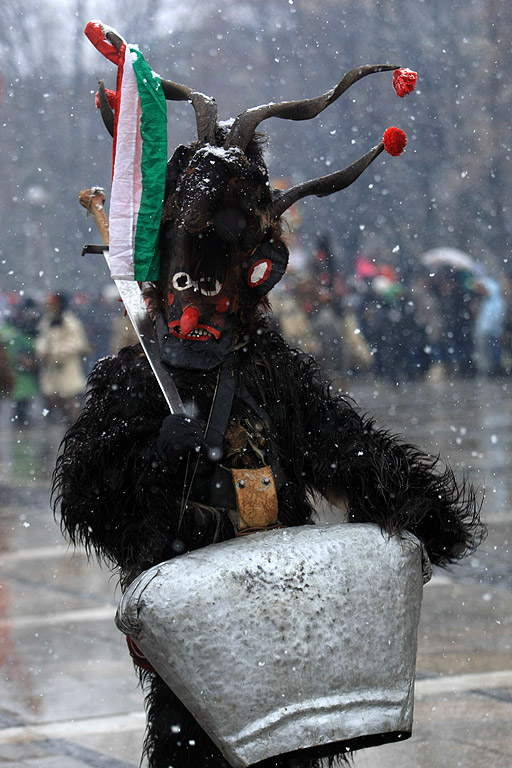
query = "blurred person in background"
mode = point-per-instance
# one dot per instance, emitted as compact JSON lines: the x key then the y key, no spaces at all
{"x":6,"y":371}
{"x":122,"y":334}
{"x":453,"y":292}
{"x":19,"y":333}
{"x":291,"y":309}
{"x":61,"y":347}
{"x":6,"y":385}
{"x":121,"y":331}
{"x":489,"y":326}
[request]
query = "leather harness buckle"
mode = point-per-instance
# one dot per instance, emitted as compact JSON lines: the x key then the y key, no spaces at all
{"x":256,"y":498}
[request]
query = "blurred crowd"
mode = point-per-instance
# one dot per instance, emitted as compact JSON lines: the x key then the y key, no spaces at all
{"x":441,"y":320}
{"x":47,"y":349}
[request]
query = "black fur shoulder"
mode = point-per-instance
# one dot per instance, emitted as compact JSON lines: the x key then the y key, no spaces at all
{"x":329,"y":446}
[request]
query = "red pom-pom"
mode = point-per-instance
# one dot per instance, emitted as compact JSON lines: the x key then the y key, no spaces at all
{"x":404,"y":81}
{"x":111,"y":96}
{"x":394,"y":141}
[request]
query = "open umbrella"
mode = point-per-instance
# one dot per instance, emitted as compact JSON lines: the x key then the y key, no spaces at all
{"x":451,"y":257}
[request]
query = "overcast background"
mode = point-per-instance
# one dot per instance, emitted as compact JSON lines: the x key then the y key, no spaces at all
{"x":450,"y":187}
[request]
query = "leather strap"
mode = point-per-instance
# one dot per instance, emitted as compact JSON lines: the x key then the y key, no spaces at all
{"x":251,"y":492}
{"x":221,"y":408}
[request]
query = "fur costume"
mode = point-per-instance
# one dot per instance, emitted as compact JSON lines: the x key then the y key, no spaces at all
{"x":137,"y":486}
{"x":120,"y":500}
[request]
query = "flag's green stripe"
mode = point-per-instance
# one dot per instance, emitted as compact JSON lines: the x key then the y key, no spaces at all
{"x":154,"y":164}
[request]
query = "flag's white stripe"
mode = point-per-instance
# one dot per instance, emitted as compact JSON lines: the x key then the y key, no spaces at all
{"x":121,"y":205}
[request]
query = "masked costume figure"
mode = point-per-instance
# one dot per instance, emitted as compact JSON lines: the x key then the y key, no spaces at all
{"x":138,"y":486}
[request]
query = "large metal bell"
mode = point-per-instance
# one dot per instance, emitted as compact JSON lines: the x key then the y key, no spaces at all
{"x":292,"y":639}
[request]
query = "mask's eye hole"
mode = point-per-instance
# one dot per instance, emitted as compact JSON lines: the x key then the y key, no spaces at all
{"x":209,"y":287}
{"x":181,"y":281}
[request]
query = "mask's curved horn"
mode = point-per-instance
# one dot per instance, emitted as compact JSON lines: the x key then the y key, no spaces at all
{"x":326,"y":185}
{"x":204,"y":107}
{"x":246,"y":123}
{"x":114,"y":38}
{"x":106,"y":111}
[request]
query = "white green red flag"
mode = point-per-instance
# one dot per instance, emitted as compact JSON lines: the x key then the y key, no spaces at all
{"x":139,"y":160}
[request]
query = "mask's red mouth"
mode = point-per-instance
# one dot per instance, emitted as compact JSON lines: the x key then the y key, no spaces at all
{"x":199,"y":333}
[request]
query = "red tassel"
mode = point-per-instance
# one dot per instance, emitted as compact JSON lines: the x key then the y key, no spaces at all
{"x":394,"y":141}
{"x":404,"y":81}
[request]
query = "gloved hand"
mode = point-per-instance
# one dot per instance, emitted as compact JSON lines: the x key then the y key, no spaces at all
{"x":180,"y":434}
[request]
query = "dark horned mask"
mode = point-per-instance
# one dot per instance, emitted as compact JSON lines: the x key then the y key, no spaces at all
{"x":220,"y":232}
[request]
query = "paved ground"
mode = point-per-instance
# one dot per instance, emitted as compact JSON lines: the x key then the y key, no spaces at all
{"x":68,"y":695}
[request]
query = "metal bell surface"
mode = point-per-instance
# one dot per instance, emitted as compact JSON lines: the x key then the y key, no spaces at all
{"x":292,"y":639}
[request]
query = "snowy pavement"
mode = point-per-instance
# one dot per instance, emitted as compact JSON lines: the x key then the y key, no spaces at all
{"x":68,"y":694}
